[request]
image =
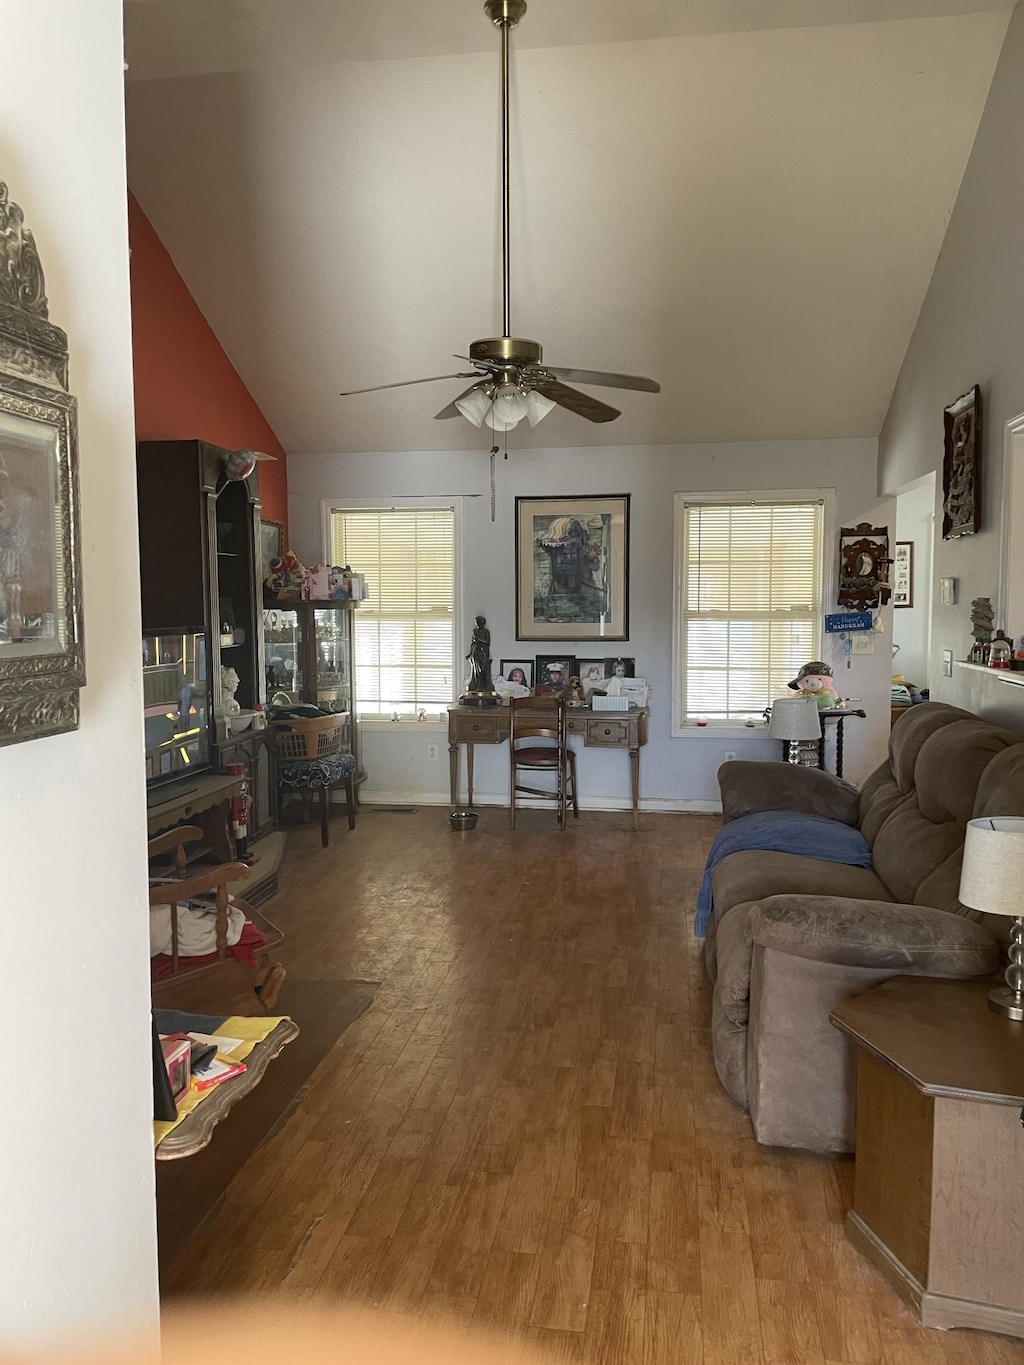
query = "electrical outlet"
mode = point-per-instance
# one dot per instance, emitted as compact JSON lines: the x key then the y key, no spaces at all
{"x":729,"y":756}
{"x":947,"y":663}
{"x":433,"y":750}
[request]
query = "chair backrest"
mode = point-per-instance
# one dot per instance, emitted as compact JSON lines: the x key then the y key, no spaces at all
{"x":308,"y":737}
{"x":523,"y":725}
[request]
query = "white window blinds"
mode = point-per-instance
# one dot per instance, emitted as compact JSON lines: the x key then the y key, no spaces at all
{"x":751,"y":604}
{"x":405,"y":629}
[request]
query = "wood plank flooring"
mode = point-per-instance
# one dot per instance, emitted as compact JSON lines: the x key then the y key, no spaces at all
{"x":525,"y":1130}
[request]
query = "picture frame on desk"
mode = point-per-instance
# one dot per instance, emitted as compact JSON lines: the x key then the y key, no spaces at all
{"x":572,"y":568}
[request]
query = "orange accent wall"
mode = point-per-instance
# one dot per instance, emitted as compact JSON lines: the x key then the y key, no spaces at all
{"x":185,"y":385}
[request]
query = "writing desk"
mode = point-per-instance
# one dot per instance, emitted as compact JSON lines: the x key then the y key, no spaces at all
{"x":473,"y":725}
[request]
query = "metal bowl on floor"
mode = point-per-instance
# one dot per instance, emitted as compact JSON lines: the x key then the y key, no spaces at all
{"x":462,"y":819}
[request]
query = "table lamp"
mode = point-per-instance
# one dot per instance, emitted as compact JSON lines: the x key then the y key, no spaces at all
{"x":992,"y":880}
{"x":793,"y":720}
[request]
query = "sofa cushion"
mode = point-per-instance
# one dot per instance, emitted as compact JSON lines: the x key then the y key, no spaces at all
{"x":752,"y":875}
{"x":858,"y":933}
{"x":893,"y":781}
{"x":924,"y":830}
{"x":748,"y":786}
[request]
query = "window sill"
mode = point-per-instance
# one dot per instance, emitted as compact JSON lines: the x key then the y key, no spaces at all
{"x":721,"y":730}
{"x":423,"y":727}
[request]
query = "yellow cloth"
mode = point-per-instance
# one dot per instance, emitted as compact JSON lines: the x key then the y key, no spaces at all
{"x":251,"y":1031}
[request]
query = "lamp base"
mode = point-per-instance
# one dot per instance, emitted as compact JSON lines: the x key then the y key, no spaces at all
{"x":1007,"y":1002}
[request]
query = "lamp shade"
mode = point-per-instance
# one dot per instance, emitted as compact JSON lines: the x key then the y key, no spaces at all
{"x":538,"y":407}
{"x":476,"y":404}
{"x":508,"y":409}
{"x":992,"y":878}
{"x":794,"y":718}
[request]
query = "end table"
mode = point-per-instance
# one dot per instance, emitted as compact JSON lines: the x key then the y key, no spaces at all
{"x":939,"y":1199}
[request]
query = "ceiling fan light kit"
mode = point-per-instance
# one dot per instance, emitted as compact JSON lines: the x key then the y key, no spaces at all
{"x":512,"y":380}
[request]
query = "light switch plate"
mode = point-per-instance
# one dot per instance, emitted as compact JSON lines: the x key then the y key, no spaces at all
{"x":947,"y":663}
{"x":947,"y":591}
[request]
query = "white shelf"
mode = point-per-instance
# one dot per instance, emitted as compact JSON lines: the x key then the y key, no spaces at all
{"x":1000,"y":674}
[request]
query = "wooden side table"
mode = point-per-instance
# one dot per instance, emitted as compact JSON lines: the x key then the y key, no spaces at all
{"x":939,"y":1199}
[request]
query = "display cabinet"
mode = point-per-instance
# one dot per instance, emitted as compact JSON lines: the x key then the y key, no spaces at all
{"x":309,"y":652}
{"x":199,"y":557}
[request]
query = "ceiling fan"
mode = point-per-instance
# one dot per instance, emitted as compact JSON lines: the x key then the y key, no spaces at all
{"x":511,"y":379}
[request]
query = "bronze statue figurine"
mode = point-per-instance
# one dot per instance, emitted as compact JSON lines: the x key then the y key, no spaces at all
{"x":480,"y":689}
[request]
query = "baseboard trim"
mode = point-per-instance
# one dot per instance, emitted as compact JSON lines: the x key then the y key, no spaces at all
{"x":933,"y":1310}
{"x":654,"y":805}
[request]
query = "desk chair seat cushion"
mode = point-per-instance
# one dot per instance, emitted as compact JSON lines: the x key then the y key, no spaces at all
{"x":539,"y":757}
{"x":312,"y":774}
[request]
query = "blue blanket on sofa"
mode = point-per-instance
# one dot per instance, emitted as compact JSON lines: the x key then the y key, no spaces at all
{"x":781,"y":831}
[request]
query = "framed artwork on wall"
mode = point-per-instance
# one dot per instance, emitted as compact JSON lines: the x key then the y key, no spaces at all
{"x":961,"y":467}
{"x":572,"y":568}
{"x":42,"y":657}
{"x":271,"y":543}
{"x":903,"y":574}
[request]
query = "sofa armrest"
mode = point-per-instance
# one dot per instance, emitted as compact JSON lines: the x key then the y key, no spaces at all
{"x":747,"y":787}
{"x":862,"y":933}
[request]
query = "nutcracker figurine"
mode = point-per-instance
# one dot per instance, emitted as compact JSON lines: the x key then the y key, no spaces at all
{"x":241,"y":804}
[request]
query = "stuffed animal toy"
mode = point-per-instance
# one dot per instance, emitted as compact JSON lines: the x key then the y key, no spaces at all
{"x":815,"y":680}
{"x":285,"y":577}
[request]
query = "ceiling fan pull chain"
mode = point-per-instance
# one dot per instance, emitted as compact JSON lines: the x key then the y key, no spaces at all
{"x":494,"y":451}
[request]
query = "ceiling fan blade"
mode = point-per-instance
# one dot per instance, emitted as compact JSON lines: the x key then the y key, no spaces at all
{"x":611,"y":381}
{"x":451,"y":410}
{"x":433,"y":379}
{"x":580,"y":403}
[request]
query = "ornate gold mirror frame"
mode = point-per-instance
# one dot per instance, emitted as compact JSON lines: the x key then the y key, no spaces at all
{"x":42,"y":659}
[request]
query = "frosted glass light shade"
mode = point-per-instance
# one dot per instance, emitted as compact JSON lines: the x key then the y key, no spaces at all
{"x":993,"y":866}
{"x":538,"y":407}
{"x":475,"y":405}
{"x":794,"y":718}
{"x":508,"y":408}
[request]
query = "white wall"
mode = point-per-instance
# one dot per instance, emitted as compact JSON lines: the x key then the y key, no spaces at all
{"x":675,"y":773}
{"x":78,"y":1247}
{"x":911,"y":630}
{"x":969,"y":332}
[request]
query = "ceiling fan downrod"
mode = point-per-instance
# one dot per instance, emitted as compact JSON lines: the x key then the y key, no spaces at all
{"x":505,"y":14}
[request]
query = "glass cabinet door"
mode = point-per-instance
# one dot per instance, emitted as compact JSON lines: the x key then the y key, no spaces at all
{"x":282,"y":647}
{"x":333,"y":659}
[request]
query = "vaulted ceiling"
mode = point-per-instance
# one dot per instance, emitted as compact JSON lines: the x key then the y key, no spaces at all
{"x":742,"y":198}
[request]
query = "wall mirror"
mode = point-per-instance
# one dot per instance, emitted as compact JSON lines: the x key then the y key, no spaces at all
{"x":42,"y":662}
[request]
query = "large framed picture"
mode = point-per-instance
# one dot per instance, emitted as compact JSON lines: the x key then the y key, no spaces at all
{"x":903,"y":574}
{"x":961,"y":467}
{"x":572,"y":568}
{"x":271,"y":543}
{"x":42,"y":659}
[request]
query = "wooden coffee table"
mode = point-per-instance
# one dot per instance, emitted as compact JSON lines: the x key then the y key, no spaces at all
{"x":939,"y":1184}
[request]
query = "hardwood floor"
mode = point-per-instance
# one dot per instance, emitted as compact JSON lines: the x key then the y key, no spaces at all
{"x":525,"y":1129}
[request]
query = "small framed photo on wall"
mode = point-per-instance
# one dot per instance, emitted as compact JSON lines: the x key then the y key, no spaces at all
{"x":903,"y":574}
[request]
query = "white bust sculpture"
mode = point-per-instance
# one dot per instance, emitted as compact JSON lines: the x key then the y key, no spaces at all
{"x":229,"y":681}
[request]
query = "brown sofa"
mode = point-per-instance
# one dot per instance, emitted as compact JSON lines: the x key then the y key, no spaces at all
{"x":791,"y":936}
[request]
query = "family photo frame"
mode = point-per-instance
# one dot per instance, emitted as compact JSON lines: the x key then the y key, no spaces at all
{"x":572,"y":568}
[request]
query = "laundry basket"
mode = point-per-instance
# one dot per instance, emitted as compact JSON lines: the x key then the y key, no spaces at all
{"x":304,"y":738}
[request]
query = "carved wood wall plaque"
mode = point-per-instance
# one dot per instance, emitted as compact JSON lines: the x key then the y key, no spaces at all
{"x":961,"y":467}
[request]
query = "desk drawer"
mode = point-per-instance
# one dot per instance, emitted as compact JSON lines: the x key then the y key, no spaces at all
{"x":477,"y":730}
{"x":608,"y":734}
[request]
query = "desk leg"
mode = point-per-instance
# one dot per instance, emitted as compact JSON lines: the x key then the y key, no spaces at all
{"x":470,"y":748}
{"x":453,"y":769}
{"x":634,"y":780}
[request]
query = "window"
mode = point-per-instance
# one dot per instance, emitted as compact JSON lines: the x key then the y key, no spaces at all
{"x":405,"y":629}
{"x":749,"y":602}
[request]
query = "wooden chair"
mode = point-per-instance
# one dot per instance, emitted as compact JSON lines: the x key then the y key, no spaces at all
{"x":310,"y":758}
{"x":556,"y":758}
{"x":193,"y":983}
